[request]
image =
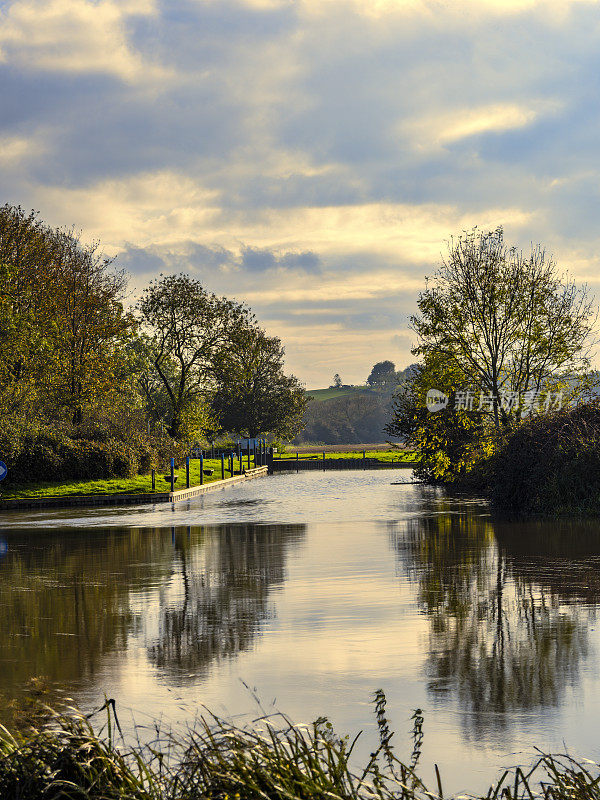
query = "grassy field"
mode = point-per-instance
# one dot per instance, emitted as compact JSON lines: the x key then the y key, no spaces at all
{"x":139,"y":485}
{"x":403,"y":456}
{"x":330,"y":394}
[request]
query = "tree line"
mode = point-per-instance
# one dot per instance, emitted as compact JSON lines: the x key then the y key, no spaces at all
{"x":182,"y":364}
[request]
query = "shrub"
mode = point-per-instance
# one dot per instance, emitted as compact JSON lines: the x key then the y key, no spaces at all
{"x":550,"y":464}
{"x":35,"y":451}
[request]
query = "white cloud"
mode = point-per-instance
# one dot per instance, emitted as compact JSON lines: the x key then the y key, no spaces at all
{"x":433,"y":131}
{"x":167,"y":208}
{"x":363,"y":132}
{"x":383,"y":9}
{"x":15,"y":149}
{"x":163,"y":207}
{"x":76,"y":36}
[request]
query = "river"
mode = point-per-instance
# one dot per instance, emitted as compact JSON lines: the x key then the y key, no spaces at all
{"x":311,"y":591}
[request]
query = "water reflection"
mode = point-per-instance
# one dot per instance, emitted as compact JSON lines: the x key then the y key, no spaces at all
{"x":218,"y":595}
{"x":70,"y":599}
{"x":503,"y":636}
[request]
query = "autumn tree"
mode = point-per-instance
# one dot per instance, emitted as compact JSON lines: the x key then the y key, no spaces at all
{"x":506,"y":319}
{"x":188,"y":327}
{"x":498,"y":323}
{"x":62,"y":323}
{"x":253,"y":395}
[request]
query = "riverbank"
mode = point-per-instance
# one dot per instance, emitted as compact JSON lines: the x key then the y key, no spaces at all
{"x":134,"y":491}
{"x":337,"y":452}
{"x":60,"y":755}
{"x":139,"y":489}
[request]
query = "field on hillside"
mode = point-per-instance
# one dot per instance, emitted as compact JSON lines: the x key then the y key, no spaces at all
{"x":331,"y":394}
{"x":347,"y":416}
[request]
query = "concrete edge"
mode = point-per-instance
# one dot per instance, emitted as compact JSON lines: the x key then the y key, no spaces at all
{"x":90,"y":500}
{"x":196,"y":491}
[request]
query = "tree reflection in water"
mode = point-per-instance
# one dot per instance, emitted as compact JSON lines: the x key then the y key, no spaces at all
{"x":219,"y":595}
{"x":508,"y":631}
{"x":70,"y":598}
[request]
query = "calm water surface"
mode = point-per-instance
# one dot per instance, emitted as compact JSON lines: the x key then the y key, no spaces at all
{"x":315,"y":591}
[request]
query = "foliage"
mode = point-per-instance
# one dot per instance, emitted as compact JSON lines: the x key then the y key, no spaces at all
{"x":550,"y":464}
{"x":35,"y":450}
{"x":505,"y":320}
{"x":189,"y":327}
{"x":496,"y":321}
{"x":253,"y":396}
{"x":67,"y":758}
{"x":62,"y":323}
{"x":383,"y":375}
{"x":450,"y":441}
{"x":337,"y":381}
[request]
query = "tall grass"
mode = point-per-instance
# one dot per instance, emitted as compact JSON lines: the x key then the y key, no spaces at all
{"x":65,"y":757}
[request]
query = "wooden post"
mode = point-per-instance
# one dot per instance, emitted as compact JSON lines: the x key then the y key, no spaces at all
{"x":297,"y":462}
{"x":364,"y":459}
{"x":187,"y":472}
{"x":153,"y":480}
{"x":172,"y":474}
{"x":222,"y":466}
{"x":201,"y":467}
{"x":323,"y":461}
{"x":248,"y":453}
{"x":270,"y":460}
{"x":240,"y":461}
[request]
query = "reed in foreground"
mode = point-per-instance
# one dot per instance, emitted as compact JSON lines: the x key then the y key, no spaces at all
{"x":65,"y":757}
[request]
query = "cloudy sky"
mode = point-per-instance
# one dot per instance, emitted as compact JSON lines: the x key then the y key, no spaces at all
{"x":307,"y":156}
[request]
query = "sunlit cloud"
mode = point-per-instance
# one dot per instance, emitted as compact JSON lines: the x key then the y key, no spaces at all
{"x":76,"y":36}
{"x":310,"y":157}
{"x":15,"y":149}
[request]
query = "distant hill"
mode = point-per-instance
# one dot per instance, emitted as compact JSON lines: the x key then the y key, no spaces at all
{"x":333,"y":393}
{"x":348,"y":415}
{"x":351,"y":414}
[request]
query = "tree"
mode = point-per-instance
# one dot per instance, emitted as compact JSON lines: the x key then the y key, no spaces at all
{"x":94,"y":328}
{"x":253,"y":395}
{"x":383,"y":375}
{"x":62,"y":323}
{"x":449,"y":441}
{"x":506,"y":320}
{"x":337,"y":381}
{"x":189,"y":327}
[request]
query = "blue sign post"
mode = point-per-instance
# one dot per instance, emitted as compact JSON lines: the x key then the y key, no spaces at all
{"x":3,"y":470}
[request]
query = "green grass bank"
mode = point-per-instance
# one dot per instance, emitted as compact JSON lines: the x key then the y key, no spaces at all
{"x":392,"y":455}
{"x":139,"y":484}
